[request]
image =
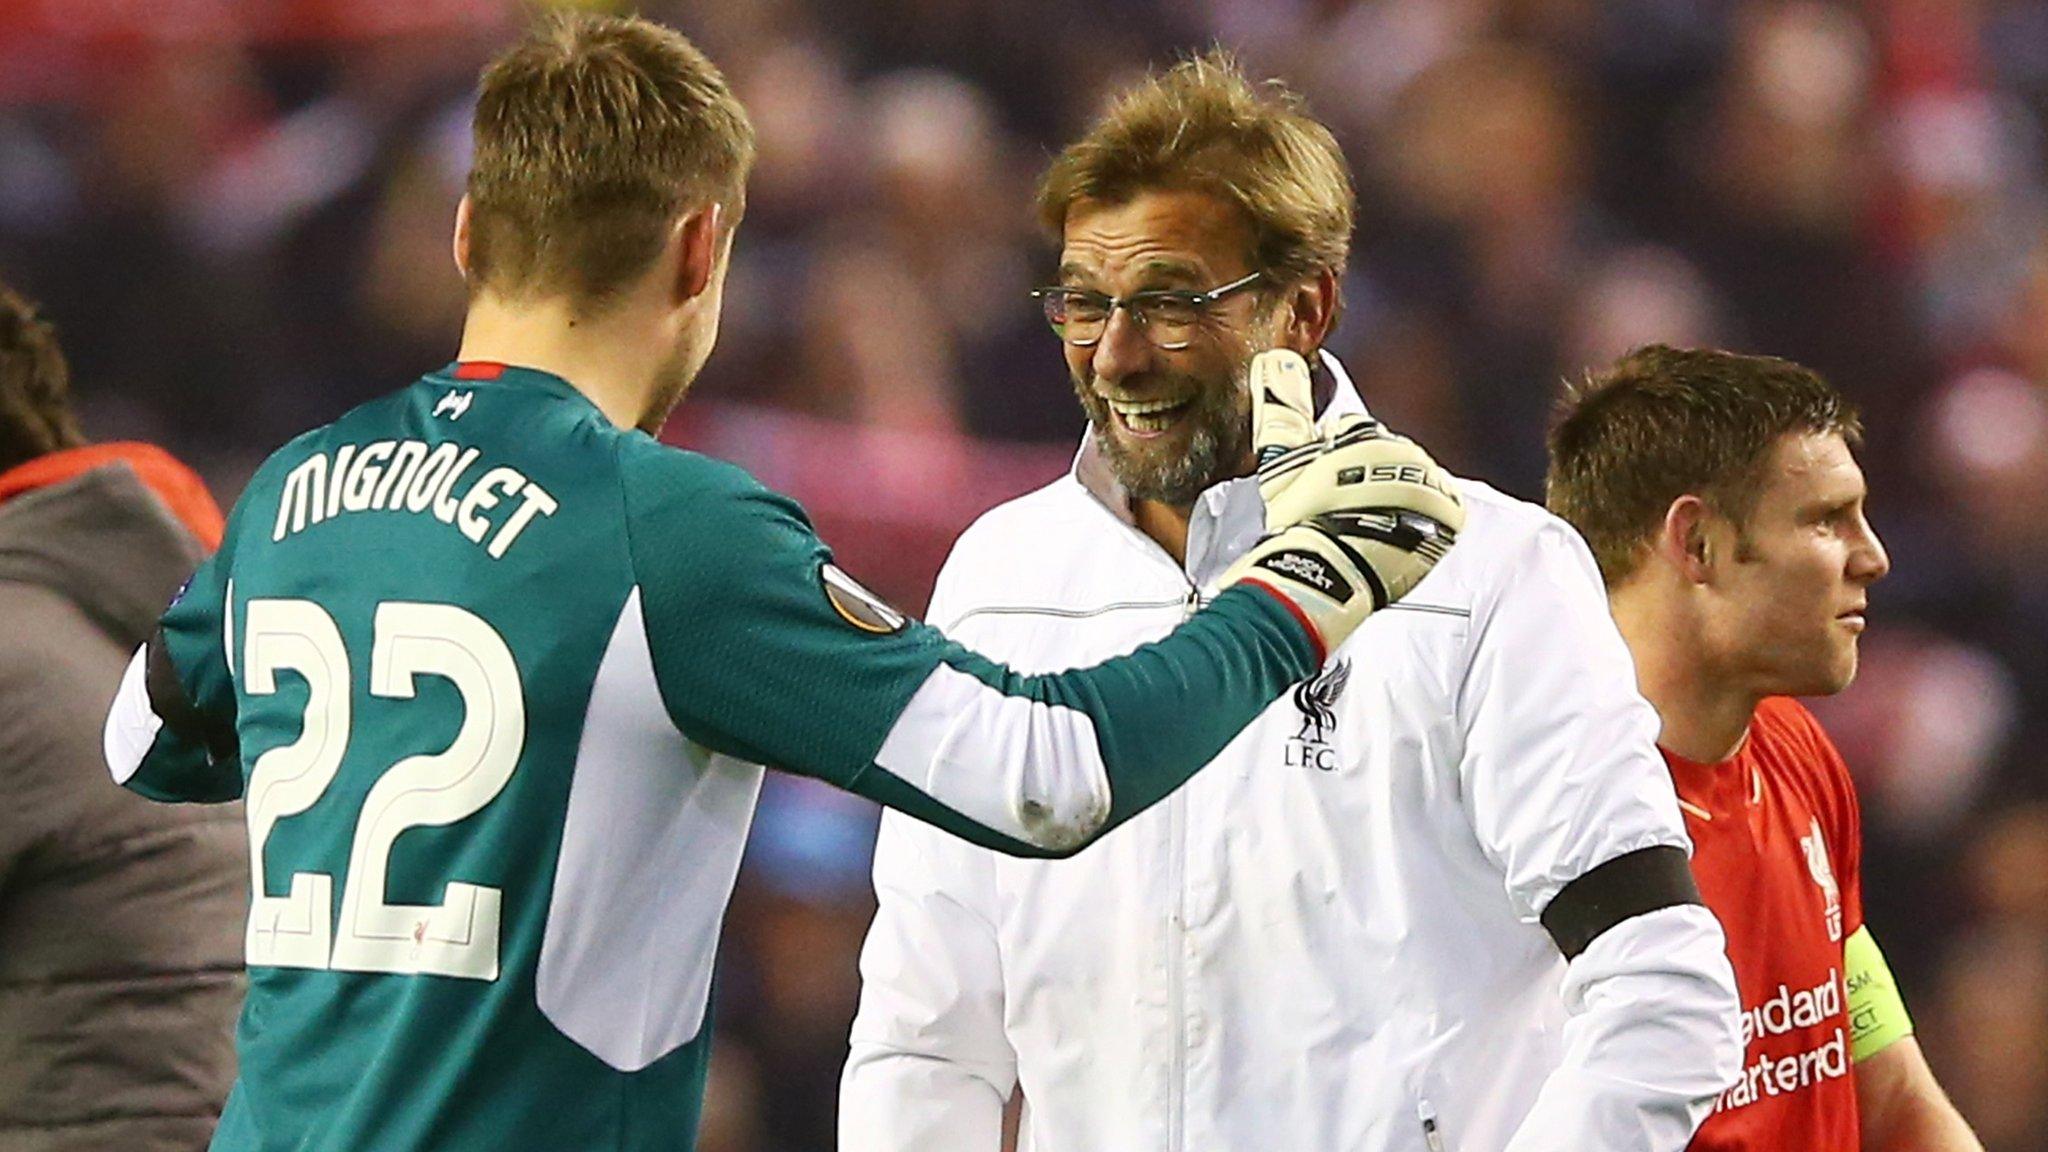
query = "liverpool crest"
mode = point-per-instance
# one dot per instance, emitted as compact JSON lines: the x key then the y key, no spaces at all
{"x":1317,"y":701}
{"x":1815,"y":846}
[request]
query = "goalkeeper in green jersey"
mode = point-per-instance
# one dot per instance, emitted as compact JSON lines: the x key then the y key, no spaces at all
{"x":494,"y":671}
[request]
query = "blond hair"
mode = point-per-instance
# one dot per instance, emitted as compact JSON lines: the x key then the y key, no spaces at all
{"x":1202,"y":126}
{"x":593,"y":135}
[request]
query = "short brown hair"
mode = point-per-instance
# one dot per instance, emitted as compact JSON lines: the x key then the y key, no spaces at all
{"x":1665,"y":422}
{"x":1203,"y":127}
{"x":593,"y":134}
{"x":35,"y":386}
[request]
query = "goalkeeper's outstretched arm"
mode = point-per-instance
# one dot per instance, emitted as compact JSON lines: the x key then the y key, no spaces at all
{"x":764,"y":650}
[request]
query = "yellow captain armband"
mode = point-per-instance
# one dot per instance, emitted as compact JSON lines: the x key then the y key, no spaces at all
{"x":1877,"y":1014}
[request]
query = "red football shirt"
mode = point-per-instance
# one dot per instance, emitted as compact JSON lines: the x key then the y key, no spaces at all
{"x":1777,"y":841}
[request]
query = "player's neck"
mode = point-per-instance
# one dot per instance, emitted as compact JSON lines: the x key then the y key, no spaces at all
{"x":612,"y":366}
{"x":1703,"y":715}
{"x":1166,"y":525}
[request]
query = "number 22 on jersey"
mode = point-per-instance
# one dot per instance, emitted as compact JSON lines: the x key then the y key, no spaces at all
{"x":457,"y":937}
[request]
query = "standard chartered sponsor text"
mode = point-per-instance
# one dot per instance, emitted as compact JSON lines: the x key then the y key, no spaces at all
{"x":1784,"y":1011}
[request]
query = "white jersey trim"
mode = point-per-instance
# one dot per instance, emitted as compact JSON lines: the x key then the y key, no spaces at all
{"x":1031,"y":771}
{"x":132,"y":726}
{"x":651,"y":846}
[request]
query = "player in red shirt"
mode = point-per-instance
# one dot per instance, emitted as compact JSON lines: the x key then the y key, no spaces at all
{"x":1722,"y":501}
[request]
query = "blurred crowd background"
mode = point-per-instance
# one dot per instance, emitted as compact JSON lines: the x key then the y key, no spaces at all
{"x":237,"y":213}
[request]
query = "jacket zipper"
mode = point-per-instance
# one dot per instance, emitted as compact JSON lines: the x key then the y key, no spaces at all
{"x":1176,"y":975}
{"x":1177,"y":941}
{"x":1431,"y":1137}
{"x":1176,"y":990}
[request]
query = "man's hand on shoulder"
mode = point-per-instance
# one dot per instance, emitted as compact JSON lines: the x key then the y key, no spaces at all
{"x":1355,"y":518}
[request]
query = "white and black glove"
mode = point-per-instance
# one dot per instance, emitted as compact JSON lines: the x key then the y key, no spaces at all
{"x":1355,"y":518}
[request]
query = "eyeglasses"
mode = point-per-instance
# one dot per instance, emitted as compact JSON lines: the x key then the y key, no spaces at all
{"x":1167,"y":318}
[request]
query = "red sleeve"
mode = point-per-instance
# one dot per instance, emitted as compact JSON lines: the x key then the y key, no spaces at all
{"x":1834,"y":797}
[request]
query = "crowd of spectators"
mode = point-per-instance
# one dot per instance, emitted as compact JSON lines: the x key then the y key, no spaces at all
{"x":237,"y":213}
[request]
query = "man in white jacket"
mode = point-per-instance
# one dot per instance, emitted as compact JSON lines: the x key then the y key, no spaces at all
{"x":1436,"y":899}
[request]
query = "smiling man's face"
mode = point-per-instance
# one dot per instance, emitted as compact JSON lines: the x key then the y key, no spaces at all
{"x":1170,"y":423}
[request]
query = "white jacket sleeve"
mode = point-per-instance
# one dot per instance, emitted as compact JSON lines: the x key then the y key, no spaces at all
{"x":1561,"y":774}
{"x":1651,"y":1040}
{"x":930,"y":1065}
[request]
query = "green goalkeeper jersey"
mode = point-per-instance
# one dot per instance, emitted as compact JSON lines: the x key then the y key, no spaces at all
{"x":495,"y":677}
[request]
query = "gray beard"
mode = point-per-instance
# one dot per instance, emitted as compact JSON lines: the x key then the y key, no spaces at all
{"x":1217,"y":447}
{"x":1177,"y":482}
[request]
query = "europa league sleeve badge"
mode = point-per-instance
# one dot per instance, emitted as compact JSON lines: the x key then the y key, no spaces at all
{"x":858,"y":606}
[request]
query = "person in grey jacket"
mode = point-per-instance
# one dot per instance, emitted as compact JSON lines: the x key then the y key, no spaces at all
{"x":120,"y":920}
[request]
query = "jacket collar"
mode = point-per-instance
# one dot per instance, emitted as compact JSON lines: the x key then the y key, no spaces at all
{"x":1228,"y":518}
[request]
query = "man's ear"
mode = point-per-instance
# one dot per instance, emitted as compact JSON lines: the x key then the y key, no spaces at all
{"x":1312,"y":308}
{"x":1685,"y":540}
{"x":695,"y":243}
{"x":461,"y":244}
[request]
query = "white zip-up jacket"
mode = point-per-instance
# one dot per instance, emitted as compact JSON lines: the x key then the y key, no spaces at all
{"x":1329,"y":940}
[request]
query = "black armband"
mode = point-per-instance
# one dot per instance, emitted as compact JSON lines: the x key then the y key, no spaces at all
{"x":1626,"y":886}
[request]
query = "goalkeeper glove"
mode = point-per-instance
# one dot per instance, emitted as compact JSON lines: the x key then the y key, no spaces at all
{"x":1355,"y":518}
